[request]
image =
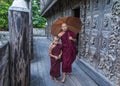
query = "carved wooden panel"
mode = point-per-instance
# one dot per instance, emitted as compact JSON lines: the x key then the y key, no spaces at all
{"x":4,"y":65}
{"x":101,"y":37}
{"x":99,"y":40}
{"x":19,"y":48}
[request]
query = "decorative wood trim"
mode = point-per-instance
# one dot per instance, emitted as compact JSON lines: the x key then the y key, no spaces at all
{"x":99,"y":79}
{"x":47,"y":7}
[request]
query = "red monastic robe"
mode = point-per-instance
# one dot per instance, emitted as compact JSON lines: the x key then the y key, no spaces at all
{"x":55,"y":64}
{"x":68,"y":51}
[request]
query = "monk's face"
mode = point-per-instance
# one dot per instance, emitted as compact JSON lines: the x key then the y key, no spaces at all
{"x":64,"y":27}
{"x":55,"y":41}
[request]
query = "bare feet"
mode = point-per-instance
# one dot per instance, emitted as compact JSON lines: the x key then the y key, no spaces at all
{"x":55,"y":80}
{"x":64,"y":77}
{"x":52,"y":77}
{"x":63,"y":80}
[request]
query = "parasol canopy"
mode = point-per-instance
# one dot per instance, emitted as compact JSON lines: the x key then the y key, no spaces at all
{"x":74,"y":24}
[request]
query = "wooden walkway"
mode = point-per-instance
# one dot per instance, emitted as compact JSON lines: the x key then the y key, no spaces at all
{"x":40,"y":67}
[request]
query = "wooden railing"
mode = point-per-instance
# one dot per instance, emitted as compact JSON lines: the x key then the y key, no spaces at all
{"x":4,"y":65}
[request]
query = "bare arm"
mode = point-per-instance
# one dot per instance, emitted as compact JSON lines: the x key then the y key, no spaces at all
{"x":60,"y":34}
{"x":72,"y":39}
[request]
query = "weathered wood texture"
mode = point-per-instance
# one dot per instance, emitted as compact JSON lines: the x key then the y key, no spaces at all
{"x":19,"y":47}
{"x":40,"y":68}
{"x":4,"y":37}
{"x":4,"y":65}
{"x":99,"y":40}
{"x":30,"y":30}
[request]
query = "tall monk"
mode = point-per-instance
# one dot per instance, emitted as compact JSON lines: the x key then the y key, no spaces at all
{"x":68,"y":39}
{"x":55,"y":52}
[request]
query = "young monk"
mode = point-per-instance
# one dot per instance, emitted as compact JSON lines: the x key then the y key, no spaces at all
{"x":55,"y":53}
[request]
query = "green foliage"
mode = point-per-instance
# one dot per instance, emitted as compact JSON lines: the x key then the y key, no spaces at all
{"x":4,"y":5}
{"x":38,"y":21}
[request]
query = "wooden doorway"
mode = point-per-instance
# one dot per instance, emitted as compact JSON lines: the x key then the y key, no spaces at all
{"x":76,"y":13}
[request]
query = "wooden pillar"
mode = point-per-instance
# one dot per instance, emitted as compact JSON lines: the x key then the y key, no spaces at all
{"x":19,"y":43}
{"x":30,"y":30}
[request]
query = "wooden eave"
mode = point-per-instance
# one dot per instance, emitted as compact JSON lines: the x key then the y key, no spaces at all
{"x":48,"y":6}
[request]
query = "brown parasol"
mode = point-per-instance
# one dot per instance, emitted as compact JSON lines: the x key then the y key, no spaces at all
{"x":74,"y":24}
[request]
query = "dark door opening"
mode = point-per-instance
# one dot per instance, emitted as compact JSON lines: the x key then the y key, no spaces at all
{"x":76,"y":12}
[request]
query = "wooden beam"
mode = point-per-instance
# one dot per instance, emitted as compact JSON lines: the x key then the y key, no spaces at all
{"x":48,"y":6}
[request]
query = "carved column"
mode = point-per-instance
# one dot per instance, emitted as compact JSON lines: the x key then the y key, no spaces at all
{"x":81,"y":43}
{"x":19,"y":43}
{"x":114,"y":45}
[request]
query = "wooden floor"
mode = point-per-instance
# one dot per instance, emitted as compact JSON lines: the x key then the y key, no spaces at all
{"x":40,"y":67}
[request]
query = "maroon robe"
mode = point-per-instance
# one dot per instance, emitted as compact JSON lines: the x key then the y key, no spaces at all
{"x":55,"y":64}
{"x":68,"y":51}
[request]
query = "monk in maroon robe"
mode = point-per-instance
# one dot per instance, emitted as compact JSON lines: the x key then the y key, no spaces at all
{"x":69,"y":52}
{"x":55,"y":58}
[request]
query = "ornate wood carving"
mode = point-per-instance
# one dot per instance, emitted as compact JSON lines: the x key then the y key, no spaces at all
{"x":19,"y":47}
{"x":95,"y":4}
{"x":116,"y":8}
{"x":88,"y":4}
{"x":4,"y":65}
{"x":99,"y":40}
{"x":102,"y":50}
{"x":105,"y":22}
{"x":87,"y":22}
{"x":107,"y":1}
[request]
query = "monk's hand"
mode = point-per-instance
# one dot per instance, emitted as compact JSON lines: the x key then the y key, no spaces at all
{"x":70,"y":38}
{"x":56,"y":57}
{"x":59,"y":56}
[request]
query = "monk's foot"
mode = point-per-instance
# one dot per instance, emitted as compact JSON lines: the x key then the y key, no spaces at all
{"x":56,"y":80}
{"x":63,"y":77}
{"x":63,"y":80}
{"x":52,"y":77}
